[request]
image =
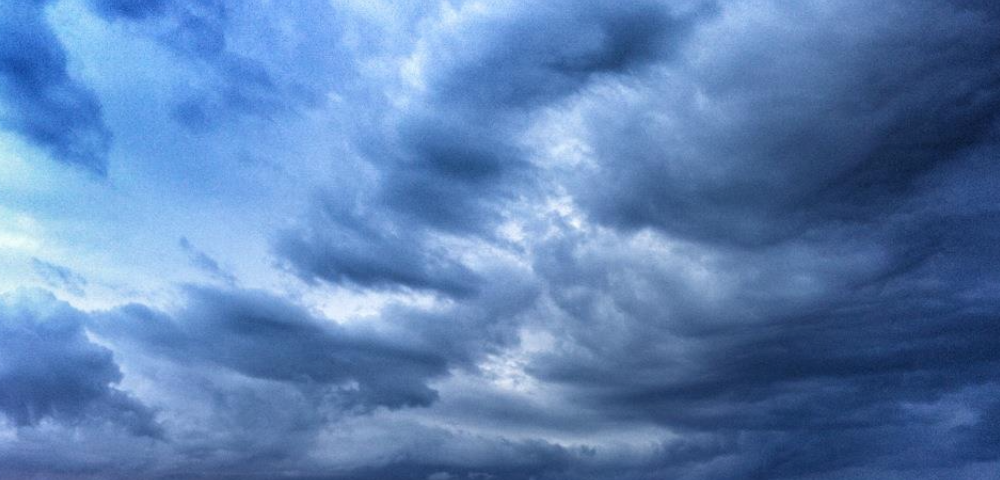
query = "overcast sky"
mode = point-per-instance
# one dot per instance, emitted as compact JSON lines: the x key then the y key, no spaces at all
{"x":500,"y":240}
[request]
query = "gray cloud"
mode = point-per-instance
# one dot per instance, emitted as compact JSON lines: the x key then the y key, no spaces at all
{"x":817,"y":297}
{"x":263,"y":377}
{"x":49,"y":369}
{"x":814,"y":288}
{"x":750,"y":143}
{"x":355,"y":245}
{"x":449,"y":163}
{"x":774,"y":255}
{"x":264,"y":337}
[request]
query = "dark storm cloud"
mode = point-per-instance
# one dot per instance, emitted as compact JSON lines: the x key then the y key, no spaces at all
{"x":449,"y":163}
{"x":39,"y":98}
{"x":825,"y":290}
{"x":264,"y":376}
{"x":267,"y":338}
{"x":777,"y":258}
{"x":529,"y":55}
{"x":823,"y":309}
{"x":511,"y":460}
{"x":851,"y":347}
{"x":821,"y":303}
{"x":58,"y":276}
{"x":749,"y":142}
{"x":49,"y":369}
{"x":354,"y":247}
{"x":455,"y":156}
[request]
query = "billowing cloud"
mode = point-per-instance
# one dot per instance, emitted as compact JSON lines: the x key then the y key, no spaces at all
{"x":450,"y":159}
{"x":357,"y":247}
{"x":49,"y":369}
{"x":559,"y":240}
{"x":263,"y":337}
{"x":791,"y":119}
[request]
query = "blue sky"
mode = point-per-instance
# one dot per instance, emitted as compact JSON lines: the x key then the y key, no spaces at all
{"x":346,"y":239}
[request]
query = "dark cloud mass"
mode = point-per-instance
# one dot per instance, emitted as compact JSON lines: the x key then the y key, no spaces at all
{"x":449,"y":163}
{"x":49,"y":369}
{"x":263,"y":337}
{"x":635,"y":240}
{"x":357,"y":247}
{"x":750,"y":143}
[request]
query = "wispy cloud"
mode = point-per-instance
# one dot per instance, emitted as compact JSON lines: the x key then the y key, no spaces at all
{"x":59,"y":277}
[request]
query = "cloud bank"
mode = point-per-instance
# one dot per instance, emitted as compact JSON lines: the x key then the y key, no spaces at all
{"x":693,"y":240}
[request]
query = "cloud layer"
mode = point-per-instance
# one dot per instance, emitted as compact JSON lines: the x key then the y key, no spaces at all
{"x":560,"y":240}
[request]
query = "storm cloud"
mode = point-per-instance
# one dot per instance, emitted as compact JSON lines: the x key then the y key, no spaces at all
{"x":750,"y":143}
{"x":450,"y":161}
{"x":51,"y":370}
{"x":503,"y":240}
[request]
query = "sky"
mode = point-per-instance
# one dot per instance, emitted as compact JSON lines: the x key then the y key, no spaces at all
{"x":500,"y":240}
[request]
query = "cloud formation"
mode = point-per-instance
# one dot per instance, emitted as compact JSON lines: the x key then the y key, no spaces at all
{"x":51,"y":370}
{"x":748,"y":143}
{"x":40,"y":100}
{"x":558,"y":240}
{"x":448,"y":161}
{"x":265,"y":338}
